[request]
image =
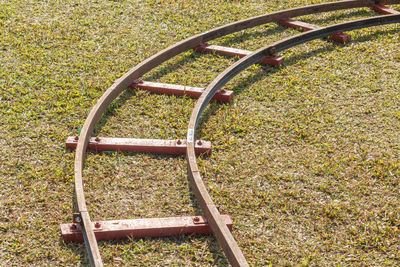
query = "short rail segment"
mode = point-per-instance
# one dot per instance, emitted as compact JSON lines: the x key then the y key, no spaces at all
{"x":88,"y":230}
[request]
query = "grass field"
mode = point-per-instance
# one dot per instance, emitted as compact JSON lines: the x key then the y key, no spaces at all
{"x":305,"y":159}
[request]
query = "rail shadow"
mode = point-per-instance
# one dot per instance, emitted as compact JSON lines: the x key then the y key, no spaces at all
{"x":78,"y":249}
{"x":112,"y":108}
{"x":331,"y":17}
{"x":265,"y":69}
{"x":366,"y":38}
{"x":210,"y":242}
{"x":238,"y":88}
{"x":175,"y":241}
{"x":239,"y":37}
{"x":234,"y":38}
{"x":169,"y":67}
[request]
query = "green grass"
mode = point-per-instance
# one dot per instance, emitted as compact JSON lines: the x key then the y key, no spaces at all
{"x":305,"y":159}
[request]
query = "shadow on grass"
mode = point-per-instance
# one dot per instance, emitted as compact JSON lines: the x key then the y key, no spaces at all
{"x":265,"y":69}
{"x":214,"y":249}
{"x":218,"y":258}
{"x":167,"y":68}
{"x":193,"y":56}
{"x":78,"y":249}
{"x":243,"y":36}
{"x":334,"y":16}
{"x":366,"y":38}
{"x":213,"y":107}
{"x":112,"y":108}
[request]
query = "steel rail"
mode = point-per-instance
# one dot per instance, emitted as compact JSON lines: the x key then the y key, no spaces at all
{"x":122,"y":83}
{"x":213,"y":216}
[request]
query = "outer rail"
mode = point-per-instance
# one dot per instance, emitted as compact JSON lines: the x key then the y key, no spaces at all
{"x":226,"y":240}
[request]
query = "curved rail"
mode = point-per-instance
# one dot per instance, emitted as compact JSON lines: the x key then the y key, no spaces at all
{"x":220,"y":230}
{"x":224,"y":237}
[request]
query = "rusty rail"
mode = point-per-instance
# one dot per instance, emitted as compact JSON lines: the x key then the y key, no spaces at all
{"x":219,"y":228}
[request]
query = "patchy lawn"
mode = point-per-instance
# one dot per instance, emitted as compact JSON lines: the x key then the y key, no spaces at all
{"x":305,"y":159}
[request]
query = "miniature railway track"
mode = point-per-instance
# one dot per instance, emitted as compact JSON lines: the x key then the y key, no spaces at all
{"x":84,"y":228}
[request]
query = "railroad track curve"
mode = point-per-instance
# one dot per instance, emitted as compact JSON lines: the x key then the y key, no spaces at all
{"x":90,"y":231}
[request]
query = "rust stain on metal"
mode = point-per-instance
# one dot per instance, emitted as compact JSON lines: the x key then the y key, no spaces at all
{"x":140,"y":228}
{"x":303,"y":26}
{"x":154,"y":146}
